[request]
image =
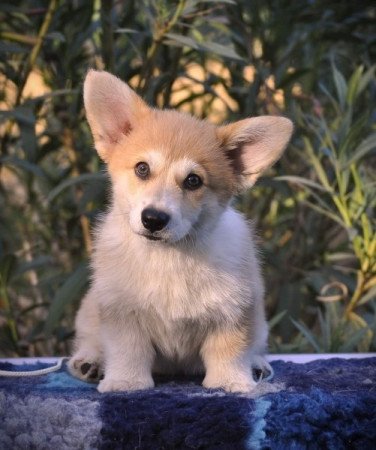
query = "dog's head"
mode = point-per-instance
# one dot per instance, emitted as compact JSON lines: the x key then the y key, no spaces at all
{"x":173,"y":174}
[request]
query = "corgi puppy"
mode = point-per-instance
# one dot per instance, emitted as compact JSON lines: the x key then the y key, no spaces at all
{"x":176,"y":282}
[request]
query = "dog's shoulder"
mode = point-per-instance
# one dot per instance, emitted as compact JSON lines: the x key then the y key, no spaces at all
{"x":233,"y":237}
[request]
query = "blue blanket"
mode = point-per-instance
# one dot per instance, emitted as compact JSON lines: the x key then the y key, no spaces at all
{"x":324,"y":404}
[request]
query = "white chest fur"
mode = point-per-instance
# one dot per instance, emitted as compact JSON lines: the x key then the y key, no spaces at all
{"x":178,"y":283}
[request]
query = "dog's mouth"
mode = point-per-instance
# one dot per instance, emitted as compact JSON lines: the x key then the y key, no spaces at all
{"x":150,"y":237}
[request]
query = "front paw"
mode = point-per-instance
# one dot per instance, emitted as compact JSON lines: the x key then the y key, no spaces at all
{"x":241,"y":384}
{"x":114,"y":385}
{"x":85,"y":367}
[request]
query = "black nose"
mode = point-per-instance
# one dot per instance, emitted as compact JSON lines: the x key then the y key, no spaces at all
{"x":154,"y":220}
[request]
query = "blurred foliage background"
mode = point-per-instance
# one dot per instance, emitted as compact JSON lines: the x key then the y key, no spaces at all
{"x":311,"y":60}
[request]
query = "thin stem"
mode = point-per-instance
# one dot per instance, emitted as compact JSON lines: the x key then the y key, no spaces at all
{"x":107,"y":35}
{"x":30,"y":65}
{"x":20,"y":38}
{"x":37,"y":47}
{"x":157,"y":41}
{"x":357,"y":294}
{"x":7,"y":307}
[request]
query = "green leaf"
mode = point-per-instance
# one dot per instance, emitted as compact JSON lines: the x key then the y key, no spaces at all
{"x":351,"y":344}
{"x":325,"y":330}
{"x":366,"y":78}
{"x":8,"y":344}
{"x":302,"y":181}
{"x":85,"y":178}
{"x":276,"y":319}
{"x":221,"y":50}
{"x":184,"y":41}
{"x":23,"y":164}
{"x":57,"y":93}
{"x":368,"y":297}
{"x":329,"y":96}
{"x":7,"y":268}
{"x":25,"y":118}
{"x":38,"y":262}
{"x":126,"y":31}
{"x":353,"y":86}
{"x":354,"y":131}
{"x":341,"y":86}
{"x":57,"y":36}
{"x":321,"y":174}
{"x":71,"y":291}
{"x":368,"y":144}
{"x":307,"y":334}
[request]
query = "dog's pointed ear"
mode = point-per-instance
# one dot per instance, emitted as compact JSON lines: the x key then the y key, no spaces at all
{"x":112,"y":109}
{"x":254,"y":144}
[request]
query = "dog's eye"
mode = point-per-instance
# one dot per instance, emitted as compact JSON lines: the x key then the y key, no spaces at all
{"x":142,"y":170}
{"x":192,"y":182}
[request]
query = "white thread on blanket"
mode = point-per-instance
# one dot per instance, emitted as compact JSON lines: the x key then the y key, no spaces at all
{"x":31,"y":373}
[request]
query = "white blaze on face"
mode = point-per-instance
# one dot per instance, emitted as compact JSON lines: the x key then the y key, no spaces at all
{"x":163,"y":190}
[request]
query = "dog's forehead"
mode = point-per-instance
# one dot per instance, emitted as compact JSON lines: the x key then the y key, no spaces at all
{"x":178,"y":136}
{"x":158,"y":161}
{"x":155,"y":158}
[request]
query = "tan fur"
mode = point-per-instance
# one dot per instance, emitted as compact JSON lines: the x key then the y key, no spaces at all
{"x":176,"y":135}
{"x":191,"y":299}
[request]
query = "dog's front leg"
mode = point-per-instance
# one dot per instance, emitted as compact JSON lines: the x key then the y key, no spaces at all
{"x":226,"y":357}
{"x":128,"y":353}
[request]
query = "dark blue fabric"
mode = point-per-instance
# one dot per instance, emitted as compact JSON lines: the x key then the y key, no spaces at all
{"x":175,"y":420}
{"x":325,"y":404}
